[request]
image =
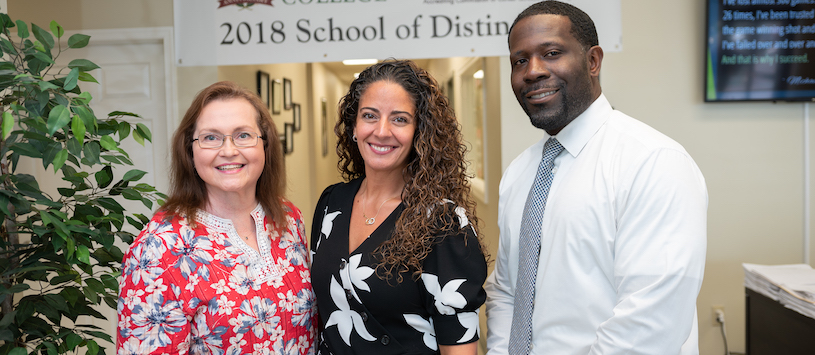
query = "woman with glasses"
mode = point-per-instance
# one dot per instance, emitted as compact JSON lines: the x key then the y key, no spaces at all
{"x":222,"y":267}
{"x":398,"y":264}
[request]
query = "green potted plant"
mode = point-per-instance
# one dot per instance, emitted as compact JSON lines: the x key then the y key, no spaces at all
{"x":58,"y":259}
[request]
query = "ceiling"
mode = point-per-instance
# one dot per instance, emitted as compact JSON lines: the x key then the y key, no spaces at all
{"x":346,"y":72}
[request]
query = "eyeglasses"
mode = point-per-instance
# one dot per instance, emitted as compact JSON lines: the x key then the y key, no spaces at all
{"x":240,"y":140}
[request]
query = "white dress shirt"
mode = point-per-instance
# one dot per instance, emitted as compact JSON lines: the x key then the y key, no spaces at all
{"x":622,"y":247}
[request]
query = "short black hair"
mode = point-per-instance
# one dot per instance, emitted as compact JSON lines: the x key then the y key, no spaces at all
{"x":582,"y":26}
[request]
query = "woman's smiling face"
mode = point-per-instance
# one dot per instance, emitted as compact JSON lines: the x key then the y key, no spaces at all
{"x":228,"y":169}
{"x":385,"y":126}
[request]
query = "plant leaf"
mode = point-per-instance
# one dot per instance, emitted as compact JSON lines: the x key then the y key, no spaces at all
{"x":7,"y":318}
{"x":66,"y":191}
{"x":124,"y":130}
{"x":134,"y":175}
{"x":58,"y":118}
{"x":87,"y":117}
{"x":56,"y":301}
{"x":38,"y":46}
{"x":108,"y":143}
{"x":26,"y":149}
{"x":123,"y":113}
{"x":95,"y":285}
{"x":50,"y":152}
{"x":8,"y":124}
{"x":144,"y":131}
{"x":91,"y":152}
{"x":104,"y":177}
{"x":51,"y":348}
{"x":5,"y":334}
{"x":83,"y":65}
{"x":78,"y":127}
{"x":45,"y":85}
{"x":112,"y":159}
{"x":17,"y":288}
{"x":110,"y":204}
{"x":4,"y":203}
{"x":99,"y":335}
{"x":46,"y":219}
{"x":87,"y":77}
{"x":5,"y":21}
{"x":43,"y":98}
{"x":78,"y":40}
{"x":131,"y":194}
{"x":70,"y":79}
{"x":43,"y":57}
{"x":138,"y":137}
{"x":93,"y":347}
{"x":22,"y":29}
{"x":60,"y":159}
{"x":110,"y":281}
{"x":43,"y":36}
{"x":83,"y":255}
{"x":75,"y":148}
{"x":72,"y":340}
{"x":84,"y":98}
{"x":7,"y":46}
{"x":56,"y":29}
{"x":18,"y":351}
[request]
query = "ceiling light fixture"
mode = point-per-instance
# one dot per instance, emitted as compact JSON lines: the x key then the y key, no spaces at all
{"x":359,"y":61}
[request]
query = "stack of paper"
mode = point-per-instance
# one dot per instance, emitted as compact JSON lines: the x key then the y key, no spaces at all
{"x":791,"y":285}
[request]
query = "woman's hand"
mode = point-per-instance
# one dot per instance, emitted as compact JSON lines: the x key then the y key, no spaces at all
{"x":463,"y":349}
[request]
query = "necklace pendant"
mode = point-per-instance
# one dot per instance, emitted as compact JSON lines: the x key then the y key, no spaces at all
{"x":370,"y":221}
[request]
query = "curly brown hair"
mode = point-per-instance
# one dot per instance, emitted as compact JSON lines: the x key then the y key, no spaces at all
{"x":188,"y":192}
{"x":436,"y":171}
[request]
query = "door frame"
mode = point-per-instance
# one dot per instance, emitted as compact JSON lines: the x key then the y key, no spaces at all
{"x":163,"y":35}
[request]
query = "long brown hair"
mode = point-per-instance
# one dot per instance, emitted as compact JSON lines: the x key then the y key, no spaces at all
{"x":188,"y":192}
{"x":436,"y":171}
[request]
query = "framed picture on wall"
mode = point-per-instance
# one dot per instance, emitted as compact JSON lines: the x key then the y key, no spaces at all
{"x":286,"y":94}
{"x":263,"y":87}
{"x":277,"y":97}
{"x":283,"y":144}
{"x":324,"y":128}
{"x":288,"y":131}
{"x":295,"y":109}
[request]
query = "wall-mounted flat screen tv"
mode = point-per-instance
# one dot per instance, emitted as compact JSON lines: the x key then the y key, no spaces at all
{"x":760,"y":50}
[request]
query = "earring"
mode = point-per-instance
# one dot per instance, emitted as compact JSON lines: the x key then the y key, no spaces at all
{"x":354,"y":137}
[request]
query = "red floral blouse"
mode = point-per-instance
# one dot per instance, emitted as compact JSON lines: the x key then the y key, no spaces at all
{"x":203,"y":290}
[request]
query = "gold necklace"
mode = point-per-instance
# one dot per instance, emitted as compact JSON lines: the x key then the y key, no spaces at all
{"x":372,"y":220}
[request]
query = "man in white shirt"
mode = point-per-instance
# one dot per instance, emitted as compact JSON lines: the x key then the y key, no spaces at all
{"x":623,"y":235}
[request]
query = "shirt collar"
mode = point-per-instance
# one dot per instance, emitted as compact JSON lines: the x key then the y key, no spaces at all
{"x":577,"y":133}
{"x":222,"y":224}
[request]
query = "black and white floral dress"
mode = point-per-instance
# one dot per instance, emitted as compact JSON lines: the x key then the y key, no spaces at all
{"x":360,"y":313}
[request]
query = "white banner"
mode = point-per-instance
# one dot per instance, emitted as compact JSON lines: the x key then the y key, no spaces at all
{"x":237,"y":32}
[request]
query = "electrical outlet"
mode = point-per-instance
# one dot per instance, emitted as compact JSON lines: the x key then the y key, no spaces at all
{"x":714,"y":311}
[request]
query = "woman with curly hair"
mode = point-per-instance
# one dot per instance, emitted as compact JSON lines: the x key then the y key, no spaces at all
{"x":398,"y":265}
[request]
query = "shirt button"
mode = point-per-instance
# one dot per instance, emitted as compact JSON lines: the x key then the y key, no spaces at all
{"x":348,"y":294}
{"x":385,"y":340}
{"x":364,"y":316}
{"x":342,"y":264}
